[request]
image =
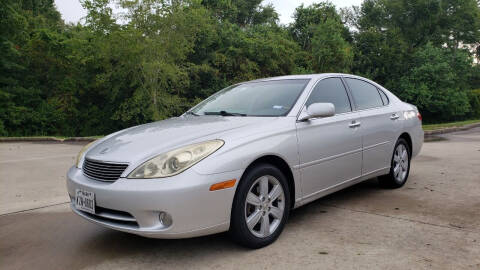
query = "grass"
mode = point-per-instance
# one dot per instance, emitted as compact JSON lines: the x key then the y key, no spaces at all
{"x":451,"y":124}
{"x":60,"y":138}
{"x":96,"y":137}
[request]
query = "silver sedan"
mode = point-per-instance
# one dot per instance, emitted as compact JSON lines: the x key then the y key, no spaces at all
{"x":243,"y":158}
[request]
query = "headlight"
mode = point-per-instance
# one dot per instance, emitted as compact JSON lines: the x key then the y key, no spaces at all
{"x":80,"y":154}
{"x":176,"y":161}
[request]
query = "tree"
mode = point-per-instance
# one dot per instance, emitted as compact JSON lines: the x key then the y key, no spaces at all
{"x":319,"y":30}
{"x":12,"y":37}
{"x":159,"y":57}
{"x":436,"y":83}
{"x":451,"y":22}
{"x":306,"y":19}
{"x":330,"y":51}
{"x":242,"y":12}
{"x":393,"y":35}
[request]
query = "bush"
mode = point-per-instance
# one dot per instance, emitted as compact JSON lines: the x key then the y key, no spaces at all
{"x":436,"y":85}
{"x":474,"y":99}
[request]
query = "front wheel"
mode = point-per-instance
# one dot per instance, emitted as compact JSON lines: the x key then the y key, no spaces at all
{"x":261,"y":206}
{"x":400,"y":166}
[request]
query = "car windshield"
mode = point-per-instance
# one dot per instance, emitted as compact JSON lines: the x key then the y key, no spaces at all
{"x":267,"y":98}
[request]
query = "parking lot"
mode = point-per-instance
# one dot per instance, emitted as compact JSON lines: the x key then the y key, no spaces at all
{"x":433,"y":222}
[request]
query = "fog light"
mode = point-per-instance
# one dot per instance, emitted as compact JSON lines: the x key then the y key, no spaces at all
{"x":165,"y":219}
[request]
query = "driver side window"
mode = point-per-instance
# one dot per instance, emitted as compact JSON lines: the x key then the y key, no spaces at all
{"x":331,"y":90}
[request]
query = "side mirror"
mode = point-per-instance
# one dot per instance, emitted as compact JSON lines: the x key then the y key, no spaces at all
{"x":317,"y":110}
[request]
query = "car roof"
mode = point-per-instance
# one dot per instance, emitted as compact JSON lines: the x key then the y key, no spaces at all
{"x":304,"y":76}
{"x":323,"y":75}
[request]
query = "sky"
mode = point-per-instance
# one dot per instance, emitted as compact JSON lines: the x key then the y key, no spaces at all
{"x":72,"y":11}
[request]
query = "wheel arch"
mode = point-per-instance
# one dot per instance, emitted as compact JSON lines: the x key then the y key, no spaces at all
{"x":407,"y":138}
{"x":281,"y":164}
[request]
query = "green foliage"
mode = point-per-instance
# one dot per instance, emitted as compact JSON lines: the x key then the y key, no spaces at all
{"x":160,"y":57}
{"x":382,"y":56}
{"x":307,"y":20}
{"x":436,"y":83}
{"x":319,"y":31}
{"x":420,"y":51}
{"x":450,"y":22}
{"x":474,"y":98}
{"x":330,"y":51}
{"x":242,"y":12}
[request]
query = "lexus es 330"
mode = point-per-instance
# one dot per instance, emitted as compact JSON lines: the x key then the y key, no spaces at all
{"x":243,"y":158}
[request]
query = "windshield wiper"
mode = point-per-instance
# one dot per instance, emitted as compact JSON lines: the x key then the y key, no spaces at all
{"x":192,"y":113}
{"x":225,"y":113}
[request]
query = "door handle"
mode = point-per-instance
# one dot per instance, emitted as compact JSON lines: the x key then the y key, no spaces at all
{"x":354,"y":124}
{"x":394,"y":116}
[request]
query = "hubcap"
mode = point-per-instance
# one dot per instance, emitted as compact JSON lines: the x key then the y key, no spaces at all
{"x":264,"y":206}
{"x":400,"y":163}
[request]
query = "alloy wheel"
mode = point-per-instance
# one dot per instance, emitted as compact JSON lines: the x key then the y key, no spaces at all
{"x":264,"y":206}
{"x":400,"y":163}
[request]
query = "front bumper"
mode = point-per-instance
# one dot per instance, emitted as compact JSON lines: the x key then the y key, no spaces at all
{"x":134,"y":205}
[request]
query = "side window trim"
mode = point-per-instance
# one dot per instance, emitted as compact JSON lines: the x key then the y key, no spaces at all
{"x":347,"y":91}
{"x":382,"y":94}
{"x":350,"y":99}
{"x":353,"y":104}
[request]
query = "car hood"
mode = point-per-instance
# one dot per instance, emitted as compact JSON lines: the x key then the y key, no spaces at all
{"x":145,"y":141}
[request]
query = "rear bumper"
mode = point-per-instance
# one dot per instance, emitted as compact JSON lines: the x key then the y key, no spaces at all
{"x":417,"y":141}
{"x":134,"y":205}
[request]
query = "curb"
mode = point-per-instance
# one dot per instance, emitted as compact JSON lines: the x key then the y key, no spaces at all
{"x":429,"y":133}
{"x":46,"y":139}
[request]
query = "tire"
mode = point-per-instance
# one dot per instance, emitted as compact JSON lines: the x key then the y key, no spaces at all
{"x":401,"y":157}
{"x":248,"y":223}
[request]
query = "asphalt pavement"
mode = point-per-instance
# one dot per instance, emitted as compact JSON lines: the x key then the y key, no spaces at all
{"x":433,"y":222}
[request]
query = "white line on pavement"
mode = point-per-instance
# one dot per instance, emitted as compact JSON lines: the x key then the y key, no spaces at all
{"x":38,"y":158}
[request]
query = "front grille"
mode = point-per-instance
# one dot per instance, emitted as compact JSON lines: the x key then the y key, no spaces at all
{"x":110,"y":216}
{"x":114,"y":216}
{"x":129,"y":223}
{"x":103,"y":171}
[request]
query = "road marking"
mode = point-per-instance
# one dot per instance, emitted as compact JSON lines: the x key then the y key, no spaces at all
{"x":38,"y":158}
{"x":31,"y":209}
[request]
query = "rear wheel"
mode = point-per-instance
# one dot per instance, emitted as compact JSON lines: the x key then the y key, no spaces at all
{"x":400,"y":166}
{"x":261,"y":207}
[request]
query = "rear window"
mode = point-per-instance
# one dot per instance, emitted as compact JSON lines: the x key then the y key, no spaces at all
{"x":366,"y":95}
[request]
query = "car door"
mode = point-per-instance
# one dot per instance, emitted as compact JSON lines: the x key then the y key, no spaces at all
{"x":329,"y":148}
{"x":379,"y":124}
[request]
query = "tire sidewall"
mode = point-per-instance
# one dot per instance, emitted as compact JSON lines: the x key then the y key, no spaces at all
{"x":238,"y":225}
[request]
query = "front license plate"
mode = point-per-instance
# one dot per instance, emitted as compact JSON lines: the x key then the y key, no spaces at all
{"x":85,"y":200}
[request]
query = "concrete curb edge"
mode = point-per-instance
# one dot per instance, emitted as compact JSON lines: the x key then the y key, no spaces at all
{"x":46,"y":139}
{"x":449,"y":129}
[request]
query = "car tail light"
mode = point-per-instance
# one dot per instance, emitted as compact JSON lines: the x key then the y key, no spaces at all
{"x":419,"y":116}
